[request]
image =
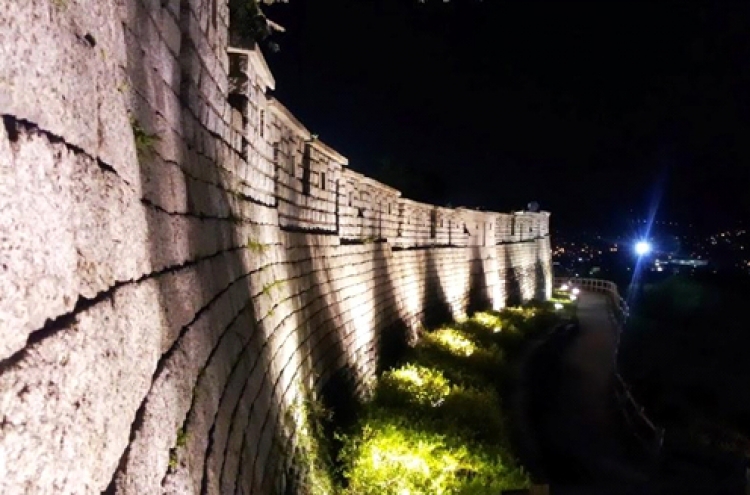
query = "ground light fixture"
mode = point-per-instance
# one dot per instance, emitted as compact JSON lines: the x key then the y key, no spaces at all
{"x":558,"y":306}
{"x":576,"y":291}
{"x":564,"y":287}
{"x":642,"y":248}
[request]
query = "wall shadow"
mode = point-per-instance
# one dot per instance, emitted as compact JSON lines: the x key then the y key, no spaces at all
{"x":199,"y":254}
{"x":394,"y":333}
{"x":325,"y":363}
{"x":479,"y":298}
{"x":435,"y":307}
{"x":513,"y":292}
{"x":211,"y":233}
{"x":540,"y":280}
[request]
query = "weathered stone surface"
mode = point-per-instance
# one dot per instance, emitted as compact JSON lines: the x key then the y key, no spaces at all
{"x":59,"y":71}
{"x":68,"y":404}
{"x":69,"y":227}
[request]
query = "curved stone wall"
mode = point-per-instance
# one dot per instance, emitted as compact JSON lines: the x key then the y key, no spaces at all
{"x":182,"y":262}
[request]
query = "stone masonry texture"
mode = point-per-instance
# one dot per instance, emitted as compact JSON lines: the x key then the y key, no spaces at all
{"x":182,"y":262}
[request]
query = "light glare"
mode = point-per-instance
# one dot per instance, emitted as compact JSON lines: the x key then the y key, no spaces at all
{"x":642,"y":248}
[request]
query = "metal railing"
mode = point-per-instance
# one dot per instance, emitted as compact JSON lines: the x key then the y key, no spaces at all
{"x":633,"y":412}
{"x":618,"y":305}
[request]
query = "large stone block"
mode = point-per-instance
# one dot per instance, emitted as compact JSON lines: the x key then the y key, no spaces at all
{"x":69,"y":401}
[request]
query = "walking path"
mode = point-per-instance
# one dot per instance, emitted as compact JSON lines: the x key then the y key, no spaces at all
{"x":580,"y":427}
{"x":587,"y":408}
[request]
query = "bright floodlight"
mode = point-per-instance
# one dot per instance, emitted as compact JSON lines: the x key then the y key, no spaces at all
{"x":564,"y":287}
{"x":573,"y":297}
{"x":558,"y":306}
{"x":642,"y":248}
{"x":576,"y":291}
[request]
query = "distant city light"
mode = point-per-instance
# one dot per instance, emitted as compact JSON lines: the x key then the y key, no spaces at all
{"x":642,"y":248}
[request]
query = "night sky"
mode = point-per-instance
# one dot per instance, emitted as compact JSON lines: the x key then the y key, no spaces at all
{"x":591,"y":109}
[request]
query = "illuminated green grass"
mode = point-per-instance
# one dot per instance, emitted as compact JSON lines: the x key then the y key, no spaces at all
{"x":437,"y":424}
{"x":394,"y":455}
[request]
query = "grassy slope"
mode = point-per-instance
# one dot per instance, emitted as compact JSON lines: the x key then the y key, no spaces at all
{"x":438,"y":424}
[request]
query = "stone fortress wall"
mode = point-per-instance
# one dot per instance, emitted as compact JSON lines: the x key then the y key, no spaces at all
{"x":182,"y":262}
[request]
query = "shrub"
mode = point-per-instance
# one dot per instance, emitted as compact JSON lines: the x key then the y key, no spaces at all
{"x":395,"y":455}
{"x":437,"y":424}
{"x":412,"y":385}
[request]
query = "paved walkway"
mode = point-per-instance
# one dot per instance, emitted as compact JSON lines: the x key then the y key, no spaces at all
{"x":580,"y":427}
{"x":587,"y":406}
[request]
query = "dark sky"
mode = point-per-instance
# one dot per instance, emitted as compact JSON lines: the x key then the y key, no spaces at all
{"x":591,"y":109}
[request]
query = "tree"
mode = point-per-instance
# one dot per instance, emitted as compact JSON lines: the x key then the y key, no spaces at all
{"x":249,"y":24}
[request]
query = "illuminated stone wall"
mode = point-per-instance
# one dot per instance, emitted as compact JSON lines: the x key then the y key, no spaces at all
{"x":181,"y":262}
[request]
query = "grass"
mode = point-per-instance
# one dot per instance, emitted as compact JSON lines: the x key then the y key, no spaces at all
{"x":307,"y":418}
{"x":438,"y":423}
{"x":256,"y":247}
{"x":144,"y":142}
{"x":182,"y":437}
{"x":269,"y":287}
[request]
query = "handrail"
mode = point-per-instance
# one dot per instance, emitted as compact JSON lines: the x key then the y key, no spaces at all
{"x":619,"y":307}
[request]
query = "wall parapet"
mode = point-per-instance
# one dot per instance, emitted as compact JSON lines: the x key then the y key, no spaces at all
{"x":320,"y":193}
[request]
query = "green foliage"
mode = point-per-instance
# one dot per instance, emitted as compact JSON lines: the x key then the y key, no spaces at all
{"x":182,"y":437}
{"x":395,"y":455}
{"x":437,"y":425}
{"x":248,"y":23}
{"x":307,"y":418}
{"x":256,"y":247}
{"x":144,"y":142}
{"x":467,"y":353}
{"x":413,"y":385}
{"x":268,"y":288}
{"x":181,"y":442}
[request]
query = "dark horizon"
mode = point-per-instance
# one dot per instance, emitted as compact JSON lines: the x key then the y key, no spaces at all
{"x":591,"y":110}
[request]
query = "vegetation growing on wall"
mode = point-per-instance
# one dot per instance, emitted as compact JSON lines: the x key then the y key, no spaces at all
{"x":144,"y":141}
{"x":248,"y":23}
{"x":311,"y":454}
